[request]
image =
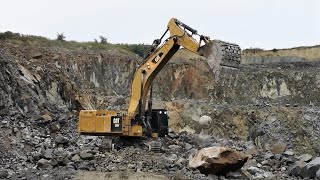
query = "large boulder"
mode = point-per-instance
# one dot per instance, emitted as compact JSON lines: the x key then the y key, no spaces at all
{"x":3,"y":174}
{"x":318,"y":175}
{"x":43,"y":163}
{"x":217,"y":160}
{"x":85,"y":155}
{"x":296,"y":167}
{"x":62,"y":140}
{"x":48,"y":153}
{"x":311,"y":168}
{"x":305,"y":157}
{"x":205,"y":120}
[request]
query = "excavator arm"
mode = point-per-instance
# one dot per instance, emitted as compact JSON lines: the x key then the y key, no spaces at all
{"x":156,"y":60}
{"x":180,"y":35}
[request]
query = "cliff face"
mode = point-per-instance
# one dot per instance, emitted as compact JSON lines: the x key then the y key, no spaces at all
{"x":299,"y":54}
{"x":272,"y":96}
{"x":30,"y":89}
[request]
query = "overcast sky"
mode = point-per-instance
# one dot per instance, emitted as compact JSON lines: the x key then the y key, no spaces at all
{"x":250,"y":23}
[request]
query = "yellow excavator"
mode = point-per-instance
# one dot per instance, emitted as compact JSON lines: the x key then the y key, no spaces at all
{"x":140,"y":119}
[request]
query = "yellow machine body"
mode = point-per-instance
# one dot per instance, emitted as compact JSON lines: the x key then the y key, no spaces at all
{"x":104,"y":122}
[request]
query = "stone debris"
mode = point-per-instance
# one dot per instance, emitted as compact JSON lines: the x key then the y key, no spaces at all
{"x":85,"y":155}
{"x":43,"y":163}
{"x":76,"y":158}
{"x":37,"y":55}
{"x":289,"y":153}
{"x":46,"y":118}
{"x":3,"y":174}
{"x":205,"y":120}
{"x":296,"y":167}
{"x":55,"y":127}
{"x":62,"y":140}
{"x":48,"y":154}
{"x":278,"y":148}
{"x":305,"y":157}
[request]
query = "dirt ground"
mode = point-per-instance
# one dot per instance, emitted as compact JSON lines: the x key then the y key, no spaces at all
{"x":94,"y":175}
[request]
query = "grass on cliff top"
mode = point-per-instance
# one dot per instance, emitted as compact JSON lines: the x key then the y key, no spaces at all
{"x":255,"y":50}
{"x":39,"y":41}
{"x":307,"y":52}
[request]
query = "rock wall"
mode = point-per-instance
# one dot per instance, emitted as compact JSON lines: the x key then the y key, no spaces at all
{"x":298,"y":54}
{"x":32,"y":91}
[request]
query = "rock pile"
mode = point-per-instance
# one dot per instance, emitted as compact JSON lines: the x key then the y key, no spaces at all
{"x":305,"y":167}
{"x":37,"y":153}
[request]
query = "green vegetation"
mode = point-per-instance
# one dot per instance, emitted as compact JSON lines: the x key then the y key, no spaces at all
{"x":253,"y":50}
{"x":103,"y":40}
{"x":60,"y":37}
{"x":38,"y":41}
{"x":141,"y":49}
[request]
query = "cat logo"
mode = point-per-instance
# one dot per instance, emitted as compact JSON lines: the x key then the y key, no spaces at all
{"x":157,"y":58}
{"x":116,"y":120}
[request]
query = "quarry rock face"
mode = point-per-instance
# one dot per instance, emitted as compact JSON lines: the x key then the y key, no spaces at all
{"x":217,"y":160}
{"x":269,"y":110}
{"x":284,"y":56}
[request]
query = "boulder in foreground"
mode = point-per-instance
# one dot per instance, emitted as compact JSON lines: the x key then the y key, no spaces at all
{"x":217,"y":160}
{"x":310,"y":169}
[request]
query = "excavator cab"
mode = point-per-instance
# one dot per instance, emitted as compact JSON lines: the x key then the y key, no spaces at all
{"x":159,"y":122}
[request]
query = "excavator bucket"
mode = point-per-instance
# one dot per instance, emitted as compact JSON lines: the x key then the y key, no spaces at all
{"x":223,"y":58}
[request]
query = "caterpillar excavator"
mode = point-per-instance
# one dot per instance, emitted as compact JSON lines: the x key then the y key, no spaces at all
{"x":141,"y":120}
